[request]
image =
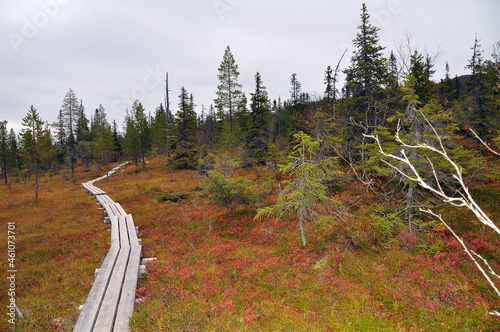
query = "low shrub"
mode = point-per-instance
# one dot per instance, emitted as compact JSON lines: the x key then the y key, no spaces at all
{"x":172,"y":197}
{"x":228,"y":192}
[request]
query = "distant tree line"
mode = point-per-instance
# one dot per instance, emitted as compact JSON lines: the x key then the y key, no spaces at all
{"x":379,"y":89}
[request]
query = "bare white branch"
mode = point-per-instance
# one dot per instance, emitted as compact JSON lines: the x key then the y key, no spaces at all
{"x":464,"y":197}
{"x":483,"y":142}
{"x":469,"y":252}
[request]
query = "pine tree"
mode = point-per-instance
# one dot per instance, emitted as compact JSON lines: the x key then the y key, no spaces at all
{"x":229,"y":92}
{"x":257,"y":136}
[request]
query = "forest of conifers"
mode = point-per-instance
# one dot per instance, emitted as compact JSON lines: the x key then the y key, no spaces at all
{"x":381,"y":89}
{"x":369,"y":170}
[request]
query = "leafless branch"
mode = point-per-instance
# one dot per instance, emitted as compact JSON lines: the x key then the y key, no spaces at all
{"x":464,"y":198}
{"x":483,"y":142}
{"x":470,"y":253}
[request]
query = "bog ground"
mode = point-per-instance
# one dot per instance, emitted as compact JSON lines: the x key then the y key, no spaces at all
{"x":222,"y":270}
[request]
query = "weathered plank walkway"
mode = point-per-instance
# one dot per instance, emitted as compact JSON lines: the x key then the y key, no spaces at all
{"x":110,"y":302}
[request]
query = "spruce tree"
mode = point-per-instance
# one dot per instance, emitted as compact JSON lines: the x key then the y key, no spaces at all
{"x":480,"y":105}
{"x":142,"y":127}
{"x":83,"y":136}
{"x":117,"y":141}
{"x":421,"y":70}
{"x":158,"y":130}
{"x":367,"y":76}
{"x":68,"y":119}
{"x":368,"y":65}
{"x":257,"y":136}
{"x":131,"y":139}
{"x":102,"y":143}
{"x":296,"y":108}
{"x":207,"y":127}
{"x":306,"y":191}
{"x":14,"y":158}
{"x":329,"y":94}
{"x":31,"y":137}
{"x":185,"y":132}
{"x":4,"y":152}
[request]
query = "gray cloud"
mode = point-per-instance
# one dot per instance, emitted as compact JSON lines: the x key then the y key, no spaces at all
{"x":109,"y":52}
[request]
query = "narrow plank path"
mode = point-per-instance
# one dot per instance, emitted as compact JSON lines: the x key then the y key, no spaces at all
{"x":110,"y":302}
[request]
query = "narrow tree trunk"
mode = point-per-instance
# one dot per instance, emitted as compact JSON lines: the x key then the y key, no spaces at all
{"x":409,"y":206}
{"x":302,"y":229}
{"x":36,"y":180}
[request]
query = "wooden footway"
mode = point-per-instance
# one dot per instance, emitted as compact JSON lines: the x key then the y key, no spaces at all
{"x":110,"y":302}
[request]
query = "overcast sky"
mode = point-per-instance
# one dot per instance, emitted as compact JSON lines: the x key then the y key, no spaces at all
{"x":112,"y":52}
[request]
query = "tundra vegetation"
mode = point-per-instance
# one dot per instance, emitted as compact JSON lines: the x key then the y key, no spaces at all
{"x":370,"y":208}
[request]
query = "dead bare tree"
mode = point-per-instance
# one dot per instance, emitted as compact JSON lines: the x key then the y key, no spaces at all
{"x":460,"y":198}
{"x":405,"y":49}
{"x":485,"y":270}
{"x":463,"y":198}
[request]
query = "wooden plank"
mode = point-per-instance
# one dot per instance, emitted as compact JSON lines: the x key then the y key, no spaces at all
{"x":106,"y":317}
{"x":127,"y":298}
{"x":124,"y":240}
{"x":120,"y":209}
{"x":101,"y":199}
{"x":132,"y":233}
{"x":90,"y":311}
{"x":104,"y":199}
{"x":115,"y":232}
{"x":112,"y":210}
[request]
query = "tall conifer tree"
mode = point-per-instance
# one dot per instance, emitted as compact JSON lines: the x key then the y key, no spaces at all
{"x":31,"y":137}
{"x":229,"y":92}
{"x":68,"y":120}
{"x":4,"y":139}
{"x":258,"y":129}
{"x":367,"y":76}
{"x":185,"y":132}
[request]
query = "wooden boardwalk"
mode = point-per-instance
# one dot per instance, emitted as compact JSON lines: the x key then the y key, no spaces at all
{"x":110,"y":302}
